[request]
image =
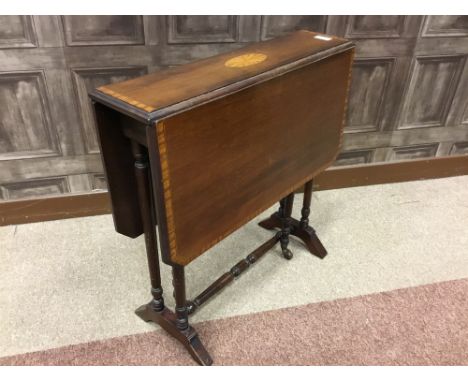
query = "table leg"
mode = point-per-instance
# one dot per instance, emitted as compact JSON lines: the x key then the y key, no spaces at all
{"x":305,"y":211}
{"x":304,"y":231}
{"x":286,"y":205}
{"x":232,"y":274}
{"x":175,"y":324}
{"x":300,"y":229}
{"x":149,"y":225}
{"x":190,"y":340}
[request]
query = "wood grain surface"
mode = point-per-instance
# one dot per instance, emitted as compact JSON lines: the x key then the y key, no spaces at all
{"x":167,"y":87}
{"x":226,"y":161}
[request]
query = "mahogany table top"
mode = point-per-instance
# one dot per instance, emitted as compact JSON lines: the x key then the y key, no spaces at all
{"x":156,"y":94}
{"x":230,"y":135}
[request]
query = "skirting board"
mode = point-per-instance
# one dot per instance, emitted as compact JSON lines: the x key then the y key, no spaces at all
{"x":62,"y":207}
{"x":54,"y":208}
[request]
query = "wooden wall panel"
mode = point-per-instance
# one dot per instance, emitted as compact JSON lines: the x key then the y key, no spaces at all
{"x":98,"y":182}
{"x":445,"y":26}
{"x":414,"y":152}
{"x":48,"y":143}
{"x":26,"y":128}
{"x":274,"y":26}
{"x":409,"y":91}
{"x":103,"y":30}
{"x":459,"y":148}
{"x":34,"y":188}
{"x":369,"y":86}
{"x":202,"y":29}
{"x":17,"y":32}
{"x":433,"y":83}
{"x":375,"y":26}
{"x":422,"y":95}
{"x":354,"y":157}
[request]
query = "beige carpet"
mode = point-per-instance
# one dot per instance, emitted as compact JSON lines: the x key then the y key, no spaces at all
{"x":415,"y":326}
{"x":76,"y":281}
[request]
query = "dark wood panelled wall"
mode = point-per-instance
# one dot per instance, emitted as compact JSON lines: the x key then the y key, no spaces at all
{"x":409,"y":92}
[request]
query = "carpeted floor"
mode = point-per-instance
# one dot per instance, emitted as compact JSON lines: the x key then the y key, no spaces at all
{"x":424,"y":325}
{"x":393,"y":289}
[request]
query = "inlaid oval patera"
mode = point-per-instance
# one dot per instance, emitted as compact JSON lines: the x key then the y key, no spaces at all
{"x":244,"y":60}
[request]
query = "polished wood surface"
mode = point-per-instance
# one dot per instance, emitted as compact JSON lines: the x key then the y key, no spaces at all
{"x":299,"y":228}
{"x":116,"y":152}
{"x":201,"y":150}
{"x":145,"y":198}
{"x":171,"y":86}
{"x":189,"y":338}
{"x":228,"y":277}
{"x":224,"y":162}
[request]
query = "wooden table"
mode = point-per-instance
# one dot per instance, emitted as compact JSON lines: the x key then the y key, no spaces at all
{"x":201,"y":149}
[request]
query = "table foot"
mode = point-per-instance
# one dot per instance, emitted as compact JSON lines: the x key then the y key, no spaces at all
{"x":287,"y":254}
{"x":188,"y":337}
{"x":307,"y":234}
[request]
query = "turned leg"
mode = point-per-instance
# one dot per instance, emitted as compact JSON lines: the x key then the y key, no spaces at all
{"x":303,"y":230}
{"x":299,"y":228}
{"x":149,"y":225}
{"x":286,"y":205}
{"x":233,"y":273}
{"x":305,"y":211}
{"x":175,"y":324}
{"x":178,"y":281}
{"x":191,"y":341}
